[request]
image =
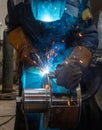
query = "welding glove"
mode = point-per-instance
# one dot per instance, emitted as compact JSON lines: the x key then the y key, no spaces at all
{"x":69,"y":73}
{"x":19,"y":40}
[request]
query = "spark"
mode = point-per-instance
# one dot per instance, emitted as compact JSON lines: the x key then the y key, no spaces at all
{"x":44,"y":71}
{"x":68,"y":103}
{"x":81,"y":61}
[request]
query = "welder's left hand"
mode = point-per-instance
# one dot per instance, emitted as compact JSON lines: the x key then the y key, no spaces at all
{"x":70,"y":72}
{"x":68,"y":75}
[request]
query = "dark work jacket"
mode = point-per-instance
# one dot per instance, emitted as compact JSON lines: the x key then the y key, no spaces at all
{"x":43,"y":35}
{"x":61,"y":34}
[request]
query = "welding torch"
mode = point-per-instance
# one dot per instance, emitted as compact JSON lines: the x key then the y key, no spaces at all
{"x":37,"y":59}
{"x":39,"y":62}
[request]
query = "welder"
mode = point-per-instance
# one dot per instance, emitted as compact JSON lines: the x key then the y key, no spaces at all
{"x":65,"y":27}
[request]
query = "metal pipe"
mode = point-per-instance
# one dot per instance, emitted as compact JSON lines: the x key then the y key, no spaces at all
{"x":36,"y":100}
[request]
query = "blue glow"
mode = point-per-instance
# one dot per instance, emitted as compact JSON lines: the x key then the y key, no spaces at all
{"x":48,"y":10}
{"x":44,"y":71}
{"x":55,"y":56}
{"x":32,"y":76}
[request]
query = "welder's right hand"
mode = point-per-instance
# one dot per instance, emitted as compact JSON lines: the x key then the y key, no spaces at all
{"x":25,"y":55}
{"x":21,"y":42}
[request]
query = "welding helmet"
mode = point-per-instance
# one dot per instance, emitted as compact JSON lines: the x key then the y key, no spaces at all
{"x":48,"y":10}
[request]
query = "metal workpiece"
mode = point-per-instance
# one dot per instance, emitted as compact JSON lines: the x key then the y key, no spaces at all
{"x":36,"y":100}
{"x":40,"y":100}
{"x":43,"y":98}
{"x":59,"y":110}
{"x":65,"y":110}
{"x":62,"y":100}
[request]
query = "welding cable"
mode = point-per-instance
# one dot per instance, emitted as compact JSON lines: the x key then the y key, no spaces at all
{"x":7,"y":120}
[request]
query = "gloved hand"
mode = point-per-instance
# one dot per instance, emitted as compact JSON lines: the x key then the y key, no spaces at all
{"x":69,"y":73}
{"x":25,"y":55}
{"x":20,"y":41}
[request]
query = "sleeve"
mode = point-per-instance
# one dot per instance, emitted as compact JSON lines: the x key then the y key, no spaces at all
{"x":21,"y":16}
{"x":90,"y":37}
{"x":15,"y":14}
{"x":87,"y":34}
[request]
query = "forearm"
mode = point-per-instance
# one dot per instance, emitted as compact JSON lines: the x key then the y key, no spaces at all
{"x":90,"y":32}
{"x":90,"y":38}
{"x":18,"y":39}
{"x":86,"y":40}
{"x":15,"y":14}
{"x":84,"y":46}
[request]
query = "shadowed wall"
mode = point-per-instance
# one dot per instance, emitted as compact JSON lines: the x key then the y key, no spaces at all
{"x":96,"y":6}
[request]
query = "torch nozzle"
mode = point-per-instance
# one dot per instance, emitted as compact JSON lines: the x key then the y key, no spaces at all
{"x":37,"y":59}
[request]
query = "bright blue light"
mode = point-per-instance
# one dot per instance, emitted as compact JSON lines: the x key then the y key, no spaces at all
{"x":46,"y":18}
{"x":31,"y":77}
{"x":48,"y":10}
{"x":45,"y":71}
